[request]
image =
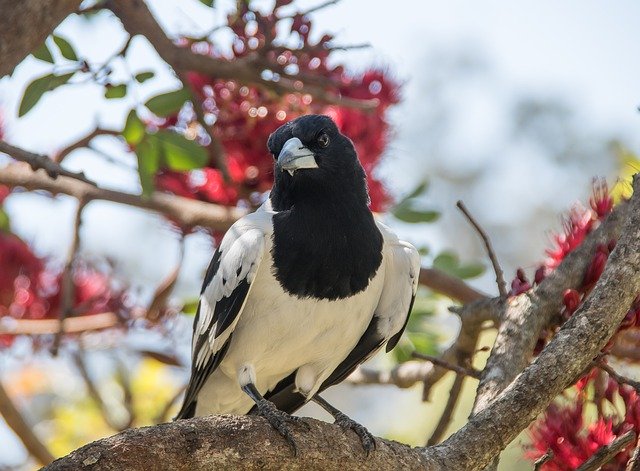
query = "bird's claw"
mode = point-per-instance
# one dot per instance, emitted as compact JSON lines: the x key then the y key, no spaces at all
{"x":278,"y":420}
{"x":366,"y":438}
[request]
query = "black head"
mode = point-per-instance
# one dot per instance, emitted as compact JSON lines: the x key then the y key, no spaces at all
{"x":313,"y":159}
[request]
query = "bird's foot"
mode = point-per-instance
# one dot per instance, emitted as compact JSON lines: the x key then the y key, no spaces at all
{"x":366,"y":438}
{"x":278,"y":420}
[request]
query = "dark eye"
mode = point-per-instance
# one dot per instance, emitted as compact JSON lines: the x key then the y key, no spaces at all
{"x":323,"y":139}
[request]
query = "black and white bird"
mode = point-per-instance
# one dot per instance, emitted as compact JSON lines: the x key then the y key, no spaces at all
{"x":303,"y":290}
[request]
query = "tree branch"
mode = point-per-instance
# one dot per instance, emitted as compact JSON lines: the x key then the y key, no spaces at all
{"x":461,"y":370}
{"x":450,"y":286}
{"x":573,"y":348}
{"x":447,"y":413}
{"x":502,"y":285}
{"x":72,"y":325}
{"x":137,"y":19}
{"x":607,"y":452}
{"x":60,"y":155}
{"x":186,"y":212}
{"x":228,"y":442}
{"x":22,"y":429}
{"x":38,"y":161}
{"x":26,"y":24}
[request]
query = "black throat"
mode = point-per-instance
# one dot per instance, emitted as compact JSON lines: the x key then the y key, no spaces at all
{"x":326,"y":244}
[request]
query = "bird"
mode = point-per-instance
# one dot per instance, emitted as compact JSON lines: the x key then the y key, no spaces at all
{"x":301,"y":291}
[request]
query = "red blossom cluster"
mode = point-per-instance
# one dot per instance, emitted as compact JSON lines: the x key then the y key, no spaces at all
{"x":563,"y":429}
{"x":29,"y":289}
{"x":243,"y":116}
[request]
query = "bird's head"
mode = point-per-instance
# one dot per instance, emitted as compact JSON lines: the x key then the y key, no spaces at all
{"x":312,"y":158}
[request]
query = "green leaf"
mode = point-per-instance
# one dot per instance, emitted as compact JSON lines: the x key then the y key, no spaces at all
{"x":115,"y":91}
{"x":420,"y":189}
{"x":208,"y":3}
{"x":144,"y":76}
{"x":449,"y":263}
{"x":39,"y":87}
{"x":5,"y":225}
{"x":43,"y":53}
{"x":134,"y":129}
{"x":190,"y":307}
{"x":148,"y":153}
{"x":66,"y":49}
{"x":446,"y":261}
{"x":180,"y":153}
{"x":168,"y":103}
{"x":424,"y":250}
{"x":470,"y":271}
{"x":406,"y":213}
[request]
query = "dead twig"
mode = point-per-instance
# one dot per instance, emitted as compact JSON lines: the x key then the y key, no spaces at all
{"x":618,"y":377}
{"x":68,"y":285}
{"x":461,"y":370}
{"x":39,"y":161}
{"x":634,"y":462}
{"x":82,"y":142}
{"x":447,"y":413}
{"x":502,"y":285}
{"x":607,"y":452}
{"x":537,"y":464}
{"x":22,"y":429}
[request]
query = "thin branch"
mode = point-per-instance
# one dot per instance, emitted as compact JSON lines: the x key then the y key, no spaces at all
{"x":618,"y":377}
{"x":68,"y":285}
{"x":461,"y":370}
{"x":447,"y":413}
{"x":39,"y":161}
{"x":22,"y":429}
{"x":502,"y":285}
{"x":94,"y":393}
{"x":137,"y":19}
{"x":607,"y":452}
{"x":163,"y":416}
{"x":450,"y":286}
{"x":163,"y":290}
{"x":634,"y":462}
{"x":72,"y":325}
{"x":186,"y":212}
{"x":82,"y":142}
{"x":537,"y":464}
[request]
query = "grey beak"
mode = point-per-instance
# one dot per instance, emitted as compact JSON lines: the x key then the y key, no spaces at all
{"x":294,"y":156}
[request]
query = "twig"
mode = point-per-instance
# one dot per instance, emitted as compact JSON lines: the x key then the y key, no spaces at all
{"x":307,"y":12}
{"x":502,"y":285}
{"x":68,"y":286}
{"x":22,"y":429}
{"x":618,"y":377}
{"x":186,"y":212}
{"x":163,"y":416}
{"x":123,"y":378}
{"x":634,"y":462}
{"x":461,"y":370}
{"x":72,"y":325}
{"x":164,"y":289}
{"x":39,"y":161}
{"x":82,"y":142}
{"x":447,"y":413}
{"x":93,"y":391}
{"x":607,"y":452}
{"x":449,"y":285}
{"x":537,"y":464}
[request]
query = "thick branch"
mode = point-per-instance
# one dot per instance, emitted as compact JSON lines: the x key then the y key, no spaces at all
{"x":137,"y":19}
{"x":524,"y":316}
{"x":227,"y":443}
{"x":573,"y":348}
{"x":449,"y":285}
{"x":26,"y":24}
{"x":187,"y":212}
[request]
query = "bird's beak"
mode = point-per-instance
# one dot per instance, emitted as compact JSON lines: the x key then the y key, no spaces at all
{"x":294,"y":156}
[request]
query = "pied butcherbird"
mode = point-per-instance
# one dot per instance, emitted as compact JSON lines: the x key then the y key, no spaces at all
{"x":302,"y":291}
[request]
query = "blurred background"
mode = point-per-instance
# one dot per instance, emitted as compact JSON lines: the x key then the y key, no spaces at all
{"x":511,"y":107}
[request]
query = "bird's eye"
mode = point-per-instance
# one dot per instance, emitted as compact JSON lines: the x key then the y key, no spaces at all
{"x":323,"y":139}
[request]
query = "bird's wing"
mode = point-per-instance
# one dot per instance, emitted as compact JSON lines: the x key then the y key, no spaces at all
{"x":224,"y":292}
{"x":402,"y":269}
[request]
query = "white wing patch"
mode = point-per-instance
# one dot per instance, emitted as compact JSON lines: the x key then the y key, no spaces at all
{"x":241,"y":252}
{"x":402,"y":271}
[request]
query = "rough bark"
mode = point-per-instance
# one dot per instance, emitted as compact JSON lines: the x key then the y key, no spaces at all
{"x":231,"y":443}
{"x":26,"y":24}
